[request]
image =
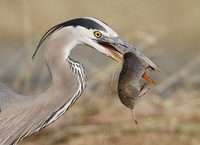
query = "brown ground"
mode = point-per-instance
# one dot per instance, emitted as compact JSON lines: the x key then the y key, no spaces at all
{"x":166,"y":31}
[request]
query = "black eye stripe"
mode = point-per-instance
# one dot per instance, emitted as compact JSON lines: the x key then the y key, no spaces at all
{"x":87,"y":23}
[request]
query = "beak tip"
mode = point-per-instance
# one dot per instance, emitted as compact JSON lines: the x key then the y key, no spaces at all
{"x":157,"y":69}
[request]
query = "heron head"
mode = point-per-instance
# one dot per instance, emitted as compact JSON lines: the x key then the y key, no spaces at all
{"x":101,"y":37}
{"x":97,"y":34}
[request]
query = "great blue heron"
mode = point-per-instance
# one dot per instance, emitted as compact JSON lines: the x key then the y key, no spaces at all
{"x":21,"y":115}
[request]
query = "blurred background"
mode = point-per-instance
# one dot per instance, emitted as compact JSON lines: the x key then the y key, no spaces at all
{"x":166,"y":31}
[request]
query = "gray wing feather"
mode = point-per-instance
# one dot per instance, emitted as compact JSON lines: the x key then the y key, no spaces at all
{"x":7,"y":96}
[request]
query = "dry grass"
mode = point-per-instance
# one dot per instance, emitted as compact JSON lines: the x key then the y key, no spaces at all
{"x":168,"y":32}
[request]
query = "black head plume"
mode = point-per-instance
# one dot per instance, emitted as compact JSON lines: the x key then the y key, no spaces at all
{"x":84,"y":22}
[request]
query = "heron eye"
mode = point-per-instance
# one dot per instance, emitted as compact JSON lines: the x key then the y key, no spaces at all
{"x":97,"y":34}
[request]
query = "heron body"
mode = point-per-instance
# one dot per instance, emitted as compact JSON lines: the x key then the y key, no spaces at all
{"x":20,"y":115}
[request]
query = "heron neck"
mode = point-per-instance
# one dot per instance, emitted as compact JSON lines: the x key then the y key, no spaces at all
{"x":66,"y":85}
{"x":57,"y":51}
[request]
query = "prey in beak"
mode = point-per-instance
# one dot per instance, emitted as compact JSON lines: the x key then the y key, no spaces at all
{"x":118,"y":47}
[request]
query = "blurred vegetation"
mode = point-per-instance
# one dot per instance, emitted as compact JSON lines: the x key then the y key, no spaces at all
{"x":166,"y":31}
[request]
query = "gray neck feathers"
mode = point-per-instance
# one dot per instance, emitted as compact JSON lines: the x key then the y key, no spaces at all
{"x":80,"y":85}
{"x":68,"y":76}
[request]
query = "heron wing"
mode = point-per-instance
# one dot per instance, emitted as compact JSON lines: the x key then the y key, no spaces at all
{"x":6,"y":96}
